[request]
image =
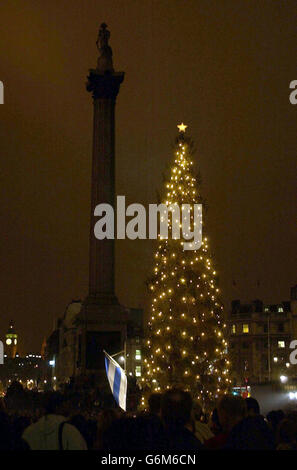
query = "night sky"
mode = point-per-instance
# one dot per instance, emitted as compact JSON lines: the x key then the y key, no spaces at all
{"x":222,"y":67}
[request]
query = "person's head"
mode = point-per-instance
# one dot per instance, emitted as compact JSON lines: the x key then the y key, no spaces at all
{"x":197,"y":411}
{"x":280,"y":415}
{"x":154,"y":403}
{"x":231,"y":410}
{"x":176,"y":407}
{"x":15,"y":388}
{"x":274,"y":417}
{"x":253,"y":408}
{"x":57,"y":403}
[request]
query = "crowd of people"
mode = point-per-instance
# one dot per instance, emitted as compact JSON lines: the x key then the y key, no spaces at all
{"x":172,"y":423}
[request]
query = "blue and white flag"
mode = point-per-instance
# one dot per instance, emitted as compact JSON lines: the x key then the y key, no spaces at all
{"x":117,"y":380}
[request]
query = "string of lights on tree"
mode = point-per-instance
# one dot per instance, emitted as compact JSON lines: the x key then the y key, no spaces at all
{"x":185,"y":344}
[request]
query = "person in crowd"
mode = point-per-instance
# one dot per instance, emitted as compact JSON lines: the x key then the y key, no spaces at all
{"x":150,"y":432}
{"x":119,"y":436}
{"x":274,"y":419}
{"x":214,"y":423}
{"x":86,"y":427}
{"x":200,"y":429}
{"x":16,"y":397}
{"x":105,"y":420}
{"x":6,"y":442}
{"x":171,"y":424}
{"x":134,"y":433}
{"x":231,"y":410}
{"x":252,"y":432}
{"x":176,"y":408}
{"x":19,"y":424}
{"x":2,"y":405}
{"x":253,"y":408}
{"x":154,"y":403}
{"x":51,"y":431}
{"x":153,"y":416}
{"x":287,"y":433}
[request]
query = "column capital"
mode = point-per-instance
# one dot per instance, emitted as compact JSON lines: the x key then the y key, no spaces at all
{"x":104,"y":84}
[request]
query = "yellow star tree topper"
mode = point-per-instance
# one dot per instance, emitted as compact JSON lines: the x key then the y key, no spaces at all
{"x":185,"y":342}
{"x":182,"y":127}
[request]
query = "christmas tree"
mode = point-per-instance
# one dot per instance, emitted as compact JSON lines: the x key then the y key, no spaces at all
{"x":185,"y":344}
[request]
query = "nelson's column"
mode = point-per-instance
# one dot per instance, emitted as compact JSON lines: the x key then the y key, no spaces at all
{"x":102,"y":320}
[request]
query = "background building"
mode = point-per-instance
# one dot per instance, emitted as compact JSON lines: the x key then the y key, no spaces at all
{"x":11,"y":341}
{"x":31,"y":371}
{"x":134,"y":343}
{"x":259,"y":340}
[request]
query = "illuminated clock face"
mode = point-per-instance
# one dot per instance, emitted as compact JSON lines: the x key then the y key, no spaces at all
{"x":14,"y":341}
{"x":8,"y":341}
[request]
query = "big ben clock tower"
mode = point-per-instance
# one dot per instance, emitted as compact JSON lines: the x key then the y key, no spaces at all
{"x":11,"y":341}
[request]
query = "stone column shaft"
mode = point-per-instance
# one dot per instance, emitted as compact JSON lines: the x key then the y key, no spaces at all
{"x":105,"y":87}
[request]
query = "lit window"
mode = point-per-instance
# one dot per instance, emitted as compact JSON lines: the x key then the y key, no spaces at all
{"x":138,"y":355}
{"x":266,"y":309}
{"x":138,"y":371}
{"x":281,"y":344}
{"x":245,"y":328}
{"x":233,"y":329}
{"x":275,"y":359}
{"x":280,"y":309}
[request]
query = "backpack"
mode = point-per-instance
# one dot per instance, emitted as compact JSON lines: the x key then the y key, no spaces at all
{"x":60,"y":435}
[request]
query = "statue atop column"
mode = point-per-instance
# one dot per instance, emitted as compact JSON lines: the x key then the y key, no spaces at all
{"x":104,"y":62}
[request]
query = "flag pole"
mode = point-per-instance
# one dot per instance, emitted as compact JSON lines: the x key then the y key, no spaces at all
{"x":113,"y":360}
